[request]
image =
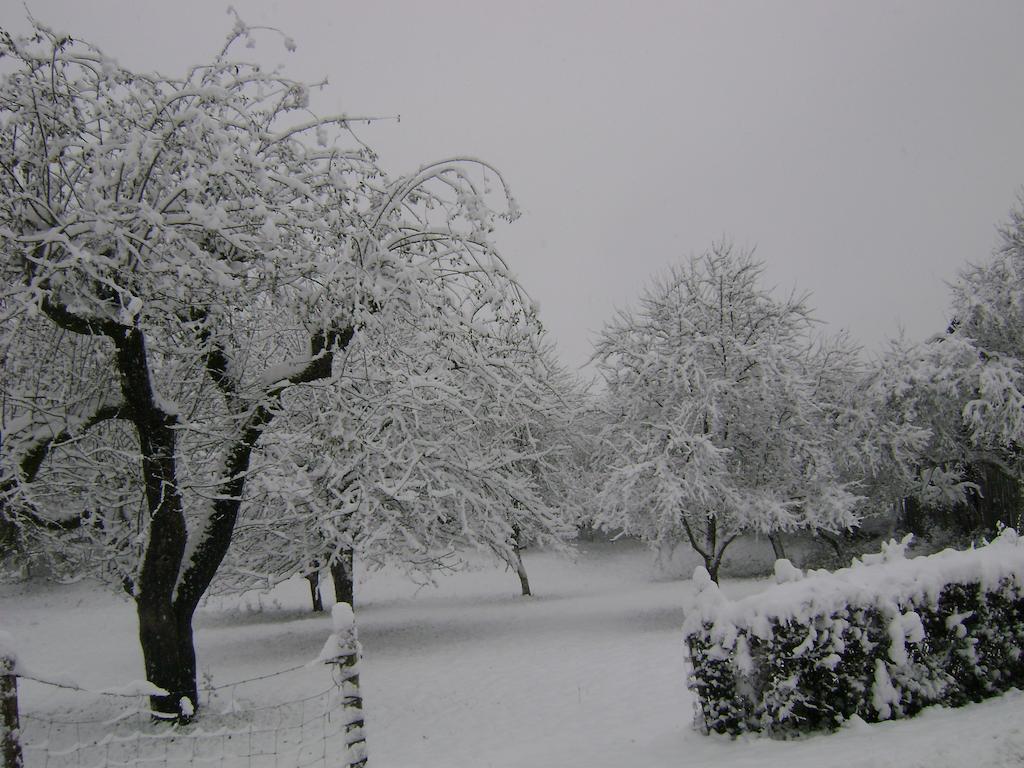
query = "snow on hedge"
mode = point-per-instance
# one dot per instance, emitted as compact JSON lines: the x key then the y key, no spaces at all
{"x":880,"y":640}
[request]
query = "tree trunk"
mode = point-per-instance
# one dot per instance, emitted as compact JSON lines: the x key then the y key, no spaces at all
{"x":912,"y":515}
{"x":524,"y":580}
{"x":8,"y":536}
{"x":710,"y":553}
{"x":165,"y":628}
{"x":11,"y":755}
{"x":168,"y":588}
{"x":832,"y":542}
{"x":314,"y":591}
{"x":169,"y":655}
{"x":776,"y":540}
{"x":341,"y":575}
{"x":517,"y":548}
{"x":713,"y":564}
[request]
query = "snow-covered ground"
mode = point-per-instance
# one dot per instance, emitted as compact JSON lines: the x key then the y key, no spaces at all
{"x":589,"y":673}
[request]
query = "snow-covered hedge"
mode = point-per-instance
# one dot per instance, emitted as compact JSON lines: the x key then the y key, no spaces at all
{"x":879,"y":640}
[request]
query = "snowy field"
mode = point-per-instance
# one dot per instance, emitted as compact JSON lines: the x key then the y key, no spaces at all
{"x":589,"y":673}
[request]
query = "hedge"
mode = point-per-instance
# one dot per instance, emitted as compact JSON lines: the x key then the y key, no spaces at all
{"x":879,"y":640}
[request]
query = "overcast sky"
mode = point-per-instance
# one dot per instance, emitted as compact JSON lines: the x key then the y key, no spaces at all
{"x":866,"y":149}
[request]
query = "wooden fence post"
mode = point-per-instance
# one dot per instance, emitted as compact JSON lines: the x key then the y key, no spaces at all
{"x":342,"y":651}
{"x":10,"y":744}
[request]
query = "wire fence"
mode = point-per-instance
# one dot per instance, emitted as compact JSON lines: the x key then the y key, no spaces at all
{"x":239,"y":724}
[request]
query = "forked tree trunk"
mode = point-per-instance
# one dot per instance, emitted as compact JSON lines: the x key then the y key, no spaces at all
{"x":777,"y":548}
{"x":341,"y":575}
{"x":165,"y":625}
{"x":713,"y":564}
{"x":168,"y":587}
{"x":712,"y":549}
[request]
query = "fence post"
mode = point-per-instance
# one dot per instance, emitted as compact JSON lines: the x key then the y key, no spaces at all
{"x":342,"y":651}
{"x":10,"y":745}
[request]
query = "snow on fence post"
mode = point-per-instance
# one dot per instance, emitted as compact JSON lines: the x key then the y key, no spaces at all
{"x":342,"y":651}
{"x":10,"y":745}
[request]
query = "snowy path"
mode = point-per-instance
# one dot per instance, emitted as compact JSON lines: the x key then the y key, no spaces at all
{"x":588,"y":674}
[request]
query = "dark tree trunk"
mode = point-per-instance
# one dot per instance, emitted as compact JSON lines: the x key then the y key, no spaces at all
{"x":712,"y":550}
{"x":8,"y":536}
{"x":837,"y":547}
{"x":911,"y":509}
{"x":163,"y":593}
{"x":776,"y":540}
{"x":165,"y":628}
{"x":524,"y":579}
{"x":11,"y":755}
{"x":713,"y":564}
{"x":314,"y":591}
{"x":341,"y":575}
{"x":168,"y":589}
{"x":999,"y":500}
{"x":168,"y":652}
{"x":709,"y":550}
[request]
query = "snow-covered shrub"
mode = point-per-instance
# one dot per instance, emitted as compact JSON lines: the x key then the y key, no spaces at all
{"x":881,"y":639}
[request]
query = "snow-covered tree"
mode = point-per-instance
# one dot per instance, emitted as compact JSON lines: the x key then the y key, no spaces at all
{"x":927,"y":386}
{"x":965,"y":388}
{"x":179,"y":257}
{"x":724,"y":413}
{"x":423,"y":447}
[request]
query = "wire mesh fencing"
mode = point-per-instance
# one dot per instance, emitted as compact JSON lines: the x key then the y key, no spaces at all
{"x":243,"y":723}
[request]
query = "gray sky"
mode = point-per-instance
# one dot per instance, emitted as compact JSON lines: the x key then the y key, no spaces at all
{"x":866,"y":149}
